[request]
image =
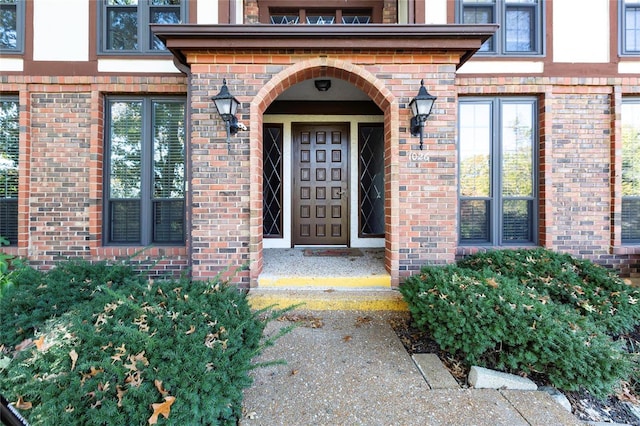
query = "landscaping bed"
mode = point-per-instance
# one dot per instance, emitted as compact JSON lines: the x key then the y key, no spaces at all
{"x":97,"y":344}
{"x":558,"y":320}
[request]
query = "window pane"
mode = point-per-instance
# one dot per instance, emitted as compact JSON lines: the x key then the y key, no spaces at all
{"x":162,"y":15}
{"x":371,"y":171}
{"x":320,"y":19}
{"x":519,"y":25}
{"x":284,"y":19}
{"x":480,"y":15}
{"x":9,"y":155}
{"x":475,"y":149}
{"x":9,"y":150}
{"x":631,"y":220}
{"x":517,"y":220}
{"x":125,"y":221}
{"x":8,"y":25}
{"x":632,"y":29}
{"x":356,"y":19}
{"x":122,"y":28}
{"x":630,"y":149}
{"x":168,"y":145}
{"x":474,"y":220}
{"x":517,"y":149}
{"x":126,"y":144}
{"x":272,"y":181}
{"x":168,"y":221}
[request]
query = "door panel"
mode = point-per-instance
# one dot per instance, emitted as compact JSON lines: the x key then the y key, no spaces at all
{"x":320,"y":183}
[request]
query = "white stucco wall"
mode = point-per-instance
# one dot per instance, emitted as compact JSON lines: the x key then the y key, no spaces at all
{"x":435,"y":11}
{"x":61,"y":30}
{"x":581,"y":31}
{"x":207,"y":12}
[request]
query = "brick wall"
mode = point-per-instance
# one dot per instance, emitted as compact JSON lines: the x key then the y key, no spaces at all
{"x":61,"y":157}
{"x":579,"y":162}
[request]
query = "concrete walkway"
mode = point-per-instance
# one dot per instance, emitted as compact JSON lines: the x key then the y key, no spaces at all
{"x":349,"y":368}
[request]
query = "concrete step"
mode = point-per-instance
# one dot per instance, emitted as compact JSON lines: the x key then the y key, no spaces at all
{"x":324,"y":282}
{"x":328,"y":299}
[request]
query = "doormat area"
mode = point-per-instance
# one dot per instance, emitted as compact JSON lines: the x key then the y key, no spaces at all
{"x":333,"y":252}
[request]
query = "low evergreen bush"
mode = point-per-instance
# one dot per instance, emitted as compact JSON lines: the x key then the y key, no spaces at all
{"x":594,"y":291}
{"x":498,"y":313}
{"x":107,"y":347}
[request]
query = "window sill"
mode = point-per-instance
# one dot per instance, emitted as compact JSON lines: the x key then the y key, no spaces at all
{"x":128,"y":251}
{"x":627,"y":249}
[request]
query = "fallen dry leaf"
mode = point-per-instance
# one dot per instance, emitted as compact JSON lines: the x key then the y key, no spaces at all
{"x":158,"y":384}
{"x":40,"y":344}
{"x":120,"y":394}
{"x":163,"y":408}
{"x":192,"y":329}
{"x":134,"y":379}
{"x":24,"y":345}
{"x":360,"y":321}
{"x":346,"y":339}
{"x":21,"y":404}
{"x":294,"y":372}
{"x":492,"y":282}
{"x":74,"y":358}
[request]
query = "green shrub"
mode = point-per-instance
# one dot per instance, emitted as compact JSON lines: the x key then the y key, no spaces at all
{"x":504,"y":319}
{"x":196,"y":338}
{"x":53,"y":294}
{"x":597,"y":293}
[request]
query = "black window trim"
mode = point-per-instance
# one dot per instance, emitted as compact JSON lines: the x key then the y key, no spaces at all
{"x":20,"y":30}
{"x":499,"y":37}
{"x":496,"y":200}
{"x":14,"y":242}
{"x":143,"y":31}
{"x":146,"y":191}
{"x":634,"y":241}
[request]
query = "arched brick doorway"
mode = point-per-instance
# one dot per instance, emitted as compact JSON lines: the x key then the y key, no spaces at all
{"x":379,"y":94}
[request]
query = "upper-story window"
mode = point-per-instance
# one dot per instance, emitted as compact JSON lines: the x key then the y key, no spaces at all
{"x":125,"y":24}
{"x":521,"y":27}
{"x":630,"y":27}
{"x":11,"y":25}
{"x":285,"y":12}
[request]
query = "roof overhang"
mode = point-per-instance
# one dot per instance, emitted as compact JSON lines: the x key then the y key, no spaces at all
{"x":463,"y":40}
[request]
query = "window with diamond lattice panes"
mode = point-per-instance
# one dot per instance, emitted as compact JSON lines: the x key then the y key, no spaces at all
{"x":371,"y":180}
{"x":272,"y":181}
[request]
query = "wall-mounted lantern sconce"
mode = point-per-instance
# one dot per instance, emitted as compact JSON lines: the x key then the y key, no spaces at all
{"x":420,"y":108}
{"x":227,"y":105}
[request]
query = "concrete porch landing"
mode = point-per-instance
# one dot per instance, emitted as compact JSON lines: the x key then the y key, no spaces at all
{"x":290,"y":268}
{"x":325,"y":283}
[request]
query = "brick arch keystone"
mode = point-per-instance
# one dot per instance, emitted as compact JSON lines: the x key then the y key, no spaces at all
{"x":379,"y":94}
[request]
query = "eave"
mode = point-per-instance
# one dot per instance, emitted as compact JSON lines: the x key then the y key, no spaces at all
{"x":465,"y":40}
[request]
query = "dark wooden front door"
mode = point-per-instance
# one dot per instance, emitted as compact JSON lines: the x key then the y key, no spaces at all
{"x":320,"y":183}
